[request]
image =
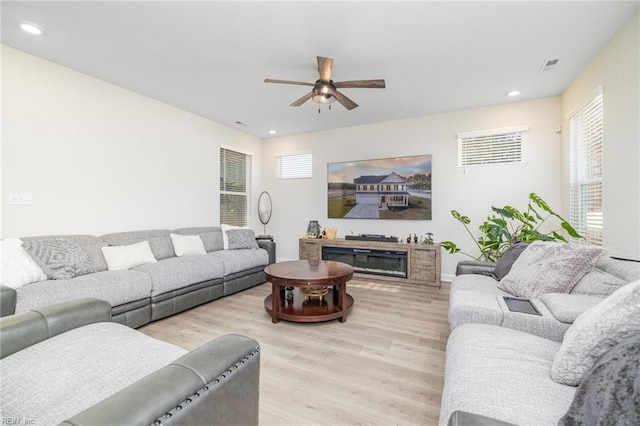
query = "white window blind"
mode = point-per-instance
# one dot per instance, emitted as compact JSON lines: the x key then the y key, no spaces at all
{"x":492,"y":147}
{"x":295,"y":166}
{"x":585,"y":170}
{"x":235,"y":184}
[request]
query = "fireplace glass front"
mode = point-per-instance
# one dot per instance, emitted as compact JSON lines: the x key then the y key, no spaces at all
{"x":368,"y":261}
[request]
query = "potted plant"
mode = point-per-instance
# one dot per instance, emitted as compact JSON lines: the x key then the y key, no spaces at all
{"x":508,"y":225}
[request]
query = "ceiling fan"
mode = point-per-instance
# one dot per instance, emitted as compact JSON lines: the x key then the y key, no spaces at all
{"x":325,"y":90}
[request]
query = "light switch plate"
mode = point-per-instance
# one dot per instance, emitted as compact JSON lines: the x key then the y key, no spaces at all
{"x":20,"y":199}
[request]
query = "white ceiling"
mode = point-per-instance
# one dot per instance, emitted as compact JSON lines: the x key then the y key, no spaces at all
{"x":211,"y":58}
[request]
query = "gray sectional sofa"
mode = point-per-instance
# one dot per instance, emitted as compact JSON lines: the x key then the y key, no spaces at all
{"x":152,"y":291}
{"x":476,"y":298}
{"x":510,"y":368}
{"x":69,"y":364}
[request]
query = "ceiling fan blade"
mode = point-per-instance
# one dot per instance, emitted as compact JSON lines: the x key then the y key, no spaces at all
{"x":302,"y":100}
{"x":366,"y":84}
{"x":344,"y":101}
{"x":300,"y":83}
{"x":325,"y":66}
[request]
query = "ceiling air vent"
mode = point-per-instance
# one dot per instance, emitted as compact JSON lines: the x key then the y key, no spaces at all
{"x":548,"y":65}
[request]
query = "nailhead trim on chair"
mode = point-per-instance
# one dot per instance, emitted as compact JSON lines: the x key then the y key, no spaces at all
{"x":206,"y":387}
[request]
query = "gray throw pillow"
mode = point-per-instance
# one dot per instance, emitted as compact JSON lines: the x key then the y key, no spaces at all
{"x":548,"y":267}
{"x":507,"y":260}
{"x":242,"y":239}
{"x":60,"y":259}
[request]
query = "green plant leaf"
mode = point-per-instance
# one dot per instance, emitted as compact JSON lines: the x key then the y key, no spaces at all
{"x":540,"y":203}
{"x":515,"y":213}
{"x":505,"y":212}
{"x":450,"y":246}
{"x":559,"y":237}
{"x":460,"y":218}
{"x":567,"y":227}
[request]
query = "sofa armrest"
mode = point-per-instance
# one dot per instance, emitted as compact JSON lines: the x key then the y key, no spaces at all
{"x":28,"y":328}
{"x":474,"y":267}
{"x":215,"y":384}
{"x":8,"y":299}
{"x":270,"y":247}
{"x":567,"y":307}
{"x":463,"y":418}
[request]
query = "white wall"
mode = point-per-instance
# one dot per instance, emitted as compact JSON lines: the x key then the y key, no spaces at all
{"x":98,"y":158}
{"x":298,"y":201}
{"x":617,"y":70}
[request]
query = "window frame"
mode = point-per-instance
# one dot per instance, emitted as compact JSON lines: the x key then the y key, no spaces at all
{"x":473,"y":141}
{"x":586,"y":171}
{"x":295,"y":163}
{"x":224,"y":190}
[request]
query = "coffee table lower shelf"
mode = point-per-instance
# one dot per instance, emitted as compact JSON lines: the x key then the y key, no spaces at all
{"x":312,"y":310}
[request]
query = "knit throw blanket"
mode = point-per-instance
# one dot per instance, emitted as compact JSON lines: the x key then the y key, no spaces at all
{"x":610,"y":393}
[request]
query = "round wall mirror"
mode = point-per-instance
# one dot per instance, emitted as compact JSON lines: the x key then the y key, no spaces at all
{"x":264,"y":208}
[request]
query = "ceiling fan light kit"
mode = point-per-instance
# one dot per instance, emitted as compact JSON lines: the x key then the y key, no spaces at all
{"x":325,"y":91}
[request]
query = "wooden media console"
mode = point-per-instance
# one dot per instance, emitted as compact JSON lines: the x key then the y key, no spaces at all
{"x":382,"y":261}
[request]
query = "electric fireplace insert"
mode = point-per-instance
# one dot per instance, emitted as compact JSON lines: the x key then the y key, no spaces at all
{"x":391,"y":263}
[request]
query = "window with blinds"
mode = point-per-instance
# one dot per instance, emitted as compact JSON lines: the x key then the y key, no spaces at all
{"x":492,"y":147}
{"x":295,"y":166}
{"x":585,"y":170}
{"x":235,"y":184}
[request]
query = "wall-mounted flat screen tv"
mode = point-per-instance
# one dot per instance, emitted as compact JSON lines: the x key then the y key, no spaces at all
{"x":387,"y":188}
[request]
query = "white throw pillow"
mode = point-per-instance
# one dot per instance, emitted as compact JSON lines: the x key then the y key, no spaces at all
{"x":595,"y":331}
{"x":18,"y":268}
{"x":187,"y":244}
{"x":225,"y":237}
{"x":127,"y":257}
{"x":548,"y":267}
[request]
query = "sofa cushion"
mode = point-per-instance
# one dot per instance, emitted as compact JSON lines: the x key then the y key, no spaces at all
{"x":178,"y":272}
{"x":127,"y":257}
{"x":476,"y":283}
{"x":598,"y":283}
{"x":596,"y":331}
{"x":211,"y":236}
{"x":628,"y":270}
{"x":18,"y":268}
{"x":41,"y":382}
{"x":60,"y":259}
{"x":504,"y":374}
{"x":567,"y":307}
{"x":159,"y":241}
{"x":548,"y":267}
{"x":242,"y":239}
{"x":116,"y":287}
{"x":240,"y":260}
{"x":187,"y":244}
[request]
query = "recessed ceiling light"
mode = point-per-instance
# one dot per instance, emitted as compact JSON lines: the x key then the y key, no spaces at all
{"x":513,"y":93}
{"x":272,"y":132}
{"x":30,"y":27}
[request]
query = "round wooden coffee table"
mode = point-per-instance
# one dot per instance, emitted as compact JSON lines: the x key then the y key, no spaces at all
{"x":308,"y":291}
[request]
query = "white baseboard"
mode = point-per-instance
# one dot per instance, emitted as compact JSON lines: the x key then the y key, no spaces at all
{"x":447,"y":277}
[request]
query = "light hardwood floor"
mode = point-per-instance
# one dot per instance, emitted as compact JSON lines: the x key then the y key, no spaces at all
{"x":384,"y":366}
